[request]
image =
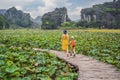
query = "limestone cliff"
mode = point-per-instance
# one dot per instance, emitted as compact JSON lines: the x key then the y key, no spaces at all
{"x":107,"y":14}
{"x":54,"y":19}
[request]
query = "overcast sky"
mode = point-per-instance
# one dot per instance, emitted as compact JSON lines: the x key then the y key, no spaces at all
{"x":39,"y":7}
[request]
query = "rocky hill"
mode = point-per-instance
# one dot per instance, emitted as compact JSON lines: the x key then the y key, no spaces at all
{"x":105,"y":15}
{"x":37,"y":20}
{"x":54,"y":19}
{"x":17,"y":18}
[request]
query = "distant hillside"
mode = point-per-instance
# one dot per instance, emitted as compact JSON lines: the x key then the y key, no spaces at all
{"x":54,"y":19}
{"x":37,"y":20}
{"x":17,"y":18}
{"x":105,"y":15}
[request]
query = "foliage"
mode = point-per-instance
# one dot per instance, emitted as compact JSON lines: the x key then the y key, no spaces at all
{"x":24,"y":23}
{"x":94,"y":43}
{"x":16,"y":50}
{"x":107,"y":14}
{"x":16,"y":17}
{"x":54,"y":19}
{"x":69,"y":24}
{"x":96,"y":24}
{"x":48,"y":23}
{"x":82,"y":23}
{"x":19,"y":63}
{"x":3,"y":23}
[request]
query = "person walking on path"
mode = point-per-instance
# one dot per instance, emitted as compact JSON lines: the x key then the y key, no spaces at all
{"x":65,"y":42}
{"x":72,"y":46}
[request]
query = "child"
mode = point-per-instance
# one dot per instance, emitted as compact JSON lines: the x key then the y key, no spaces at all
{"x":72,"y":46}
{"x":65,"y":40}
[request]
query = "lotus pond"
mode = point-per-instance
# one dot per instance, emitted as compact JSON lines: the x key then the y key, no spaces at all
{"x":17,"y":57}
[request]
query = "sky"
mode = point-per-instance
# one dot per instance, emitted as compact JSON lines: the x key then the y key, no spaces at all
{"x":40,"y":7}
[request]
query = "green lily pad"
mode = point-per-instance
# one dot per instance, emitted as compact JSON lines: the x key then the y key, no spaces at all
{"x":2,"y":62}
{"x":11,"y":69}
{"x":26,"y":78}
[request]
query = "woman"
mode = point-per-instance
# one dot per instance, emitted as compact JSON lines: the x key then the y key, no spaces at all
{"x":65,"y":41}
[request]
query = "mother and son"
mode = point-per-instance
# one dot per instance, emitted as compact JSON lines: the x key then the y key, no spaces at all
{"x":66,"y":43}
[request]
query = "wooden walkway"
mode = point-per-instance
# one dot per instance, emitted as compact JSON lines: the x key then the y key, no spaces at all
{"x":89,"y":68}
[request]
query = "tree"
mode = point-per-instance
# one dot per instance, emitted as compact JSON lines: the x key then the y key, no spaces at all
{"x":3,"y":22}
{"x":82,"y":24}
{"x":69,"y":24}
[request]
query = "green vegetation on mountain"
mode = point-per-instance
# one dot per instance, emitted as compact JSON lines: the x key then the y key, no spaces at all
{"x":16,"y":19}
{"x":54,"y":19}
{"x":3,"y":22}
{"x":105,"y":15}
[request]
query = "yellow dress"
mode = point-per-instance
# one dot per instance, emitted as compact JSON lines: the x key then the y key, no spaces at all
{"x":65,"y":40}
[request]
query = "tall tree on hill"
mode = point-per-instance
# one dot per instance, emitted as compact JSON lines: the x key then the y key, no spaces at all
{"x":3,"y":23}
